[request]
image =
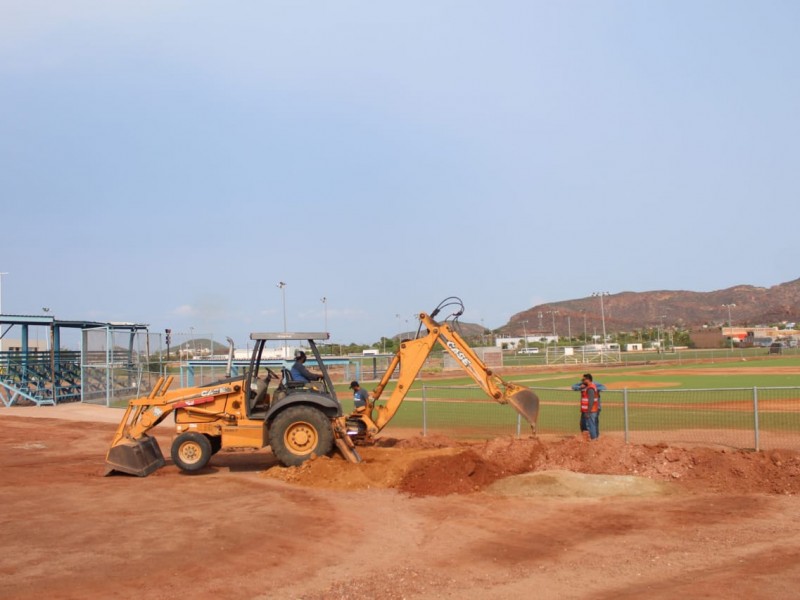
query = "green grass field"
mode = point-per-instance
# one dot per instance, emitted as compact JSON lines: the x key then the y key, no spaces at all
{"x":707,"y":396}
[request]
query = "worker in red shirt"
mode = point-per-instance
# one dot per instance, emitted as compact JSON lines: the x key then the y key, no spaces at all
{"x":590,"y":406}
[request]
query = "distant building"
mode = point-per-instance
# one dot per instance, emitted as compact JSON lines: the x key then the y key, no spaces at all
{"x":34,"y":345}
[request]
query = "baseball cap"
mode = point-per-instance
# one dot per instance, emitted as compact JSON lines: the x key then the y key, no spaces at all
{"x":353,"y":384}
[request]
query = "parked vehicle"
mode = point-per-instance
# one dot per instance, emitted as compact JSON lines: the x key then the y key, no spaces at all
{"x":528,"y":351}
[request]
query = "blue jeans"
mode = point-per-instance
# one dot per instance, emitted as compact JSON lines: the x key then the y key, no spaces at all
{"x":592,"y":425}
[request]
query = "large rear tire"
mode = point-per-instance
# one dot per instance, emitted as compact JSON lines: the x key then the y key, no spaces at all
{"x":191,"y":451}
{"x":298,"y":433}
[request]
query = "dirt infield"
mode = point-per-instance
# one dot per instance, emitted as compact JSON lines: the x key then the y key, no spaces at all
{"x":419,"y":518}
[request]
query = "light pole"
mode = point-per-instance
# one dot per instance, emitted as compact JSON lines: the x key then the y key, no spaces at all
{"x":660,"y":334}
{"x":324,"y":301}
{"x":282,"y":287}
{"x":602,"y":312}
{"x":730,"y":326}
{"x":399,"y":329}
{"x":1,"y":308}
{"x":585,"y":339}
{"x":603,"y":317}
{"x":553,"y":314}
{"x":525,"y":332}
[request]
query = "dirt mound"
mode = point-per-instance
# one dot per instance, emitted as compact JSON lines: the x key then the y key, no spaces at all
{"x":440,"y":466}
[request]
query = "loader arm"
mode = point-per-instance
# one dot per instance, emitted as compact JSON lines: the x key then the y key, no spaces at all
{"x":412,"y":356}
{"x":132,"y":450}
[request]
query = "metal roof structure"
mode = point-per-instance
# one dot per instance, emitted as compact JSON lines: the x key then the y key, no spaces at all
{"x":12,"y":320}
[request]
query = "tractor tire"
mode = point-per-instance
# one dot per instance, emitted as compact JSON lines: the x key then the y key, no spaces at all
{"x":216,"y":443}
{"x":191,"y":451}
{"x":298,"y":433}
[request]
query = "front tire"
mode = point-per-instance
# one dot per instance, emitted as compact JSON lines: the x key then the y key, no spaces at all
{"x":191,"y":451}
{"x":299,"y":432}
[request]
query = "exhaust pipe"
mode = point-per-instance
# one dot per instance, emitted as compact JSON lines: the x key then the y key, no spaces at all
{"x":229,"y":368}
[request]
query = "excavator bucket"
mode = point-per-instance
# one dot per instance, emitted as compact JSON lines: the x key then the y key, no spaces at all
{"x":526,"y":403}
{"x":140,"y":457}
{"x":343,"y":441}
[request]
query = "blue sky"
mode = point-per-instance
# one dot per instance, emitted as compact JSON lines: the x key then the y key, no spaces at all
{"x":170,"y":162}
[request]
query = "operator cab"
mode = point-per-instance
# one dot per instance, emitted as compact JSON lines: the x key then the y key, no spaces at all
{"x":270,"y":385}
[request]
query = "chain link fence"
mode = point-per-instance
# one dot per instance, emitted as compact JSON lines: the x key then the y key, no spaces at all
{"x":580,"y":355}
{"x":115,"y":365}
{"x":751,"y":418}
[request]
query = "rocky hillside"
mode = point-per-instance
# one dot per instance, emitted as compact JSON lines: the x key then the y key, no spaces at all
{"x":627,"y":311}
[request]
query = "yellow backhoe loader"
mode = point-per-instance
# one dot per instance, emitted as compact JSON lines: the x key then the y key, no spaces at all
{"x":296,"y":419}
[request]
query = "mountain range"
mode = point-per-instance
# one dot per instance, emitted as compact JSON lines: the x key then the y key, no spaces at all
{"x":745,"y":305}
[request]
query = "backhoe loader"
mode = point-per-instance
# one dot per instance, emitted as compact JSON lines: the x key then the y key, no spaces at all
{"x":297,"y":420}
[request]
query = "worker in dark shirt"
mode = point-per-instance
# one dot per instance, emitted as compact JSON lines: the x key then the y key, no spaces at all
{"x":299,"y":371}
{"x":360,"y":396}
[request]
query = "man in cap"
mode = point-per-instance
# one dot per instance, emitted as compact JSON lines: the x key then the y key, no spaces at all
{"x":360,"y":396}
{"x":299,"y":371}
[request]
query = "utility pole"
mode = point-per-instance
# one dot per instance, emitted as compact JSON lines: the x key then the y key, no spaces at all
{"x":730,"y":326}
{"x":525,"y":332}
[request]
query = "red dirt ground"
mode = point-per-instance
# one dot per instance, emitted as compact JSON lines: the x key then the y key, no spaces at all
{"x":419,"y":518}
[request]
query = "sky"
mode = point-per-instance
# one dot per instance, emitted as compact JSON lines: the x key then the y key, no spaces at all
{"x":170,"y":162}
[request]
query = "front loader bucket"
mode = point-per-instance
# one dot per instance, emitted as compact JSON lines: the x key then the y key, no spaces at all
{"x":526,"y":403}
{"x":140,"y":457}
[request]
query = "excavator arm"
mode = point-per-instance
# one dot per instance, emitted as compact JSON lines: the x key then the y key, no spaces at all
{"x":409,"y":360}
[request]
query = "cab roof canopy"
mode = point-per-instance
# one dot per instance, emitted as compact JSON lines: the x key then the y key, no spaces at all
{"x":290,"y":336}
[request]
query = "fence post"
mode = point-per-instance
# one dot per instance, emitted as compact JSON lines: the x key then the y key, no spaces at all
{"x":755,"y":418}
{"x":424,"y":413}
{"x":625,"y":411}
{"x":519,"y":425}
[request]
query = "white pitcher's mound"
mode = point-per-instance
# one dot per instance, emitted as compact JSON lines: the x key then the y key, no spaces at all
{"x":578,"y":485}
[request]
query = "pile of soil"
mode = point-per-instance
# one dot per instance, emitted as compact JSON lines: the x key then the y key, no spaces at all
{"x":438,"y":466}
